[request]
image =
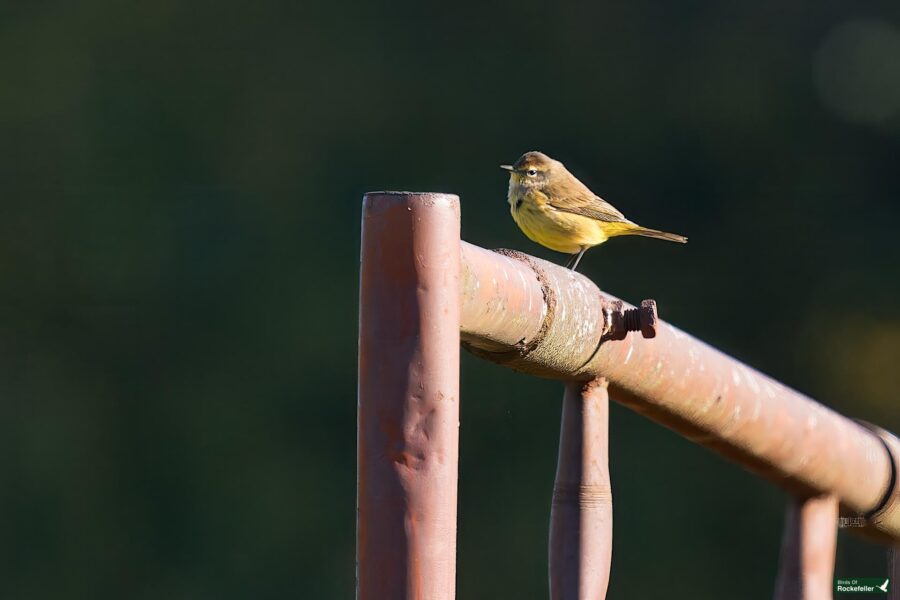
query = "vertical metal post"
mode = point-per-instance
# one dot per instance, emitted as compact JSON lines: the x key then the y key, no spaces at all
{"x":581,"y":511}
{"x":408,"y":419}
{"x":893,"y":556}
{"x":807,"y":549}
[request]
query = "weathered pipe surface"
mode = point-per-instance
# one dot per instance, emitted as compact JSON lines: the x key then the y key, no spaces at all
{"x":808,"y":546}
{"x":675,"y":380}
{"x":581,"y":510}
{"x":408,"y":420}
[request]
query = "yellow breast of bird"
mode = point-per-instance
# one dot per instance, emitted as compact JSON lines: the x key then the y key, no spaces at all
{"x":555,"y":229}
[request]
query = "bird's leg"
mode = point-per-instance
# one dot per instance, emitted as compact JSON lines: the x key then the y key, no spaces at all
{"x":571,"y":260}
{"x":578,"y":258}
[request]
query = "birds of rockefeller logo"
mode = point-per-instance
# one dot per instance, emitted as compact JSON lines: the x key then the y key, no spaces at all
{"x":862,"y":585}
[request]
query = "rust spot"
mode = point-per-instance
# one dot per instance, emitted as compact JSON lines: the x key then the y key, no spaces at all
{"x":590,"y":386}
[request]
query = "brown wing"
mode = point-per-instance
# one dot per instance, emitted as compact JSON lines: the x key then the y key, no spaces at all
{"x":597,"y":208}
{"x":572,"y":196}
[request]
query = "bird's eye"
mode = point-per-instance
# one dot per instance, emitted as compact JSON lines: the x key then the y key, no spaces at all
{"x":532,"y":172}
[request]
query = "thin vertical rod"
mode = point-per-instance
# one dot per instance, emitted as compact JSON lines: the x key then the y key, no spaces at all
{"x":581,"y":511}
{"x":807,"y":549}
{"x":408,"y":413}
{"x":893,"y":555}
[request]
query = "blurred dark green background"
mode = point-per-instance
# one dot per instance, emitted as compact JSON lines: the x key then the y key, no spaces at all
{"x":179,"y":227}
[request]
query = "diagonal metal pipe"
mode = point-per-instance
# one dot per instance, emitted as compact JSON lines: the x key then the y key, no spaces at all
{"x":539,"y":318}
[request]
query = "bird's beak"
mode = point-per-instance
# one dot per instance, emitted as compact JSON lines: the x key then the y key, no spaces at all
{"x":507,"y":168}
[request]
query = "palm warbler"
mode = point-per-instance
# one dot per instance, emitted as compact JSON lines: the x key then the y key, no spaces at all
{"x":556,"y":210}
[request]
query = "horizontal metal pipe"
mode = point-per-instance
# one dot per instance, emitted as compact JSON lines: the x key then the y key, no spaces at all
{"x":539,"y":318}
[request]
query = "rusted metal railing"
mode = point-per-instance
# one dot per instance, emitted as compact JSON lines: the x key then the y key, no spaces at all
{"x":581,"y":510}
{"x":807,"y":548}
{"x":408,"y":397}
{"x":423,"y":291}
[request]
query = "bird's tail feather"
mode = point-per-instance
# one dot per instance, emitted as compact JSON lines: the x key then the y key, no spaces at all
{"x":660,"y":235}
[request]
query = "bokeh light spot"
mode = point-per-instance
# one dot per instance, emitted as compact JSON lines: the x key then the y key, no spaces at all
{"x":857,"y":71}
